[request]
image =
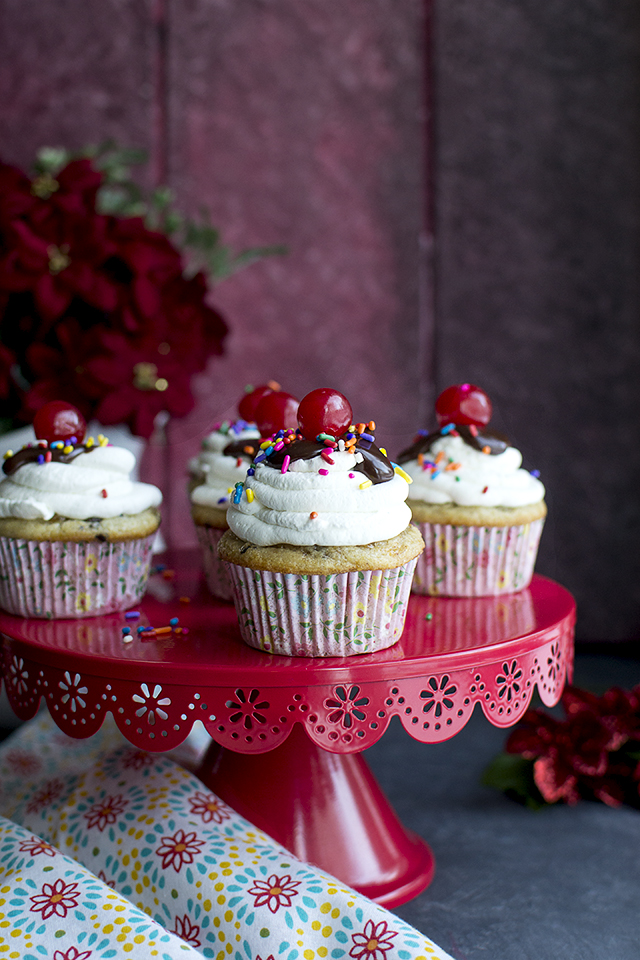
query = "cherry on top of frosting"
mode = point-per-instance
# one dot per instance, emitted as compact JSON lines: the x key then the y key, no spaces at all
{"x":463,"y":404}
{"x":250,"y":401}
{"x":324,"y":411}
{"x":276,"y":411}
{"x":58,"y":420}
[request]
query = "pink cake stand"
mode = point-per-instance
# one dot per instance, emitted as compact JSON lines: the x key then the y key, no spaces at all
{"x":288,"y":733}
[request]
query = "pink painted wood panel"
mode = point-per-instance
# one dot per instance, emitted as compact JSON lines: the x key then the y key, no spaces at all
{"x":301,"y":124}
{"x":75,"y":72}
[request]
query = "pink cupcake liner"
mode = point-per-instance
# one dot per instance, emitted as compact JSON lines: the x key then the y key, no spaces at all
{"x":215,"y":570}
{"x":476,"y":561}
{"x":53,"y":580}
{"x":332,"y":615}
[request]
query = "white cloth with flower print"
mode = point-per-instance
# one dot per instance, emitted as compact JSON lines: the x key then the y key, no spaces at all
{"x":154,"y":865}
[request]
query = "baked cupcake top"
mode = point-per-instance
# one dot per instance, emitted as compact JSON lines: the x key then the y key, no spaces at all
{"x":70,"y":478}
{"x":464,"y":463}
{"x":325,"y":483}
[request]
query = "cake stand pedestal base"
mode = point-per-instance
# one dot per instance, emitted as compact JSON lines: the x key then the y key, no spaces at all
{"x":326,"y":808}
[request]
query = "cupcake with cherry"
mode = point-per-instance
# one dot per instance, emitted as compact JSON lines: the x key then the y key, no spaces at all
{"x":321,"y":550}
{"x":227,"y":451}
{"x":76,"y":533}
{"x":480,"y":513}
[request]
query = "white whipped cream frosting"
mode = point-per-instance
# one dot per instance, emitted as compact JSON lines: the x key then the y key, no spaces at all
{"x":483,"y":480}
{"x":217,"y":471}
{"x":75,"y":490}
{"x":346,"y":514}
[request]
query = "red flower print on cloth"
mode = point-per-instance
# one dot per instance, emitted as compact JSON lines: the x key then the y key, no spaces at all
{"x":209,"y":808}
{"x":137,"y":759}
{"x":110,"y":883}
{"x":275,"y":892}
{"x":36,"y":846}
{"x":105,"y":812}
{"x":187,"y":931}
{"x":45,"y":796}
{"x":373,"y":942}
{"x":57,"y":898}
{"x":21,"y":762}
{"x":72,"y":954}
{"x":180,"y":848}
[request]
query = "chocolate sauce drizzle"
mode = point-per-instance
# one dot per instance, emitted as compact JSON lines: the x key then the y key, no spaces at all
{"x":422,"y":444}
{"x":374,"y":465}
{"x":31,"y":454}
{"x":247,"y":448}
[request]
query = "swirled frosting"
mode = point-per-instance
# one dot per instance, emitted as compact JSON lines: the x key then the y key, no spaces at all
{"x":91,"y":482}
{"x":222,"y":462}
{"x":298,"y":497}
{"x":469,"y":475}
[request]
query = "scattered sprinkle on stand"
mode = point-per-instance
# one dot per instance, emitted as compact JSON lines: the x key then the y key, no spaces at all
{"x":313,"y":515}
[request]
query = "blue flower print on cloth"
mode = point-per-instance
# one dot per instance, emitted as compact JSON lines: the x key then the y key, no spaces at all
{"x":149,"y":831}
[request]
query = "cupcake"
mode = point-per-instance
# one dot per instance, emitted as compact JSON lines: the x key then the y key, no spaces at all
{"x":226,"y":454}
{"x":320,"y":549}
{"x":480,"y":513}
{"x":76,"y":533}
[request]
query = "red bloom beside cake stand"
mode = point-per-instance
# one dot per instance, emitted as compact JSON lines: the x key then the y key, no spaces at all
{"x":288,"y":733}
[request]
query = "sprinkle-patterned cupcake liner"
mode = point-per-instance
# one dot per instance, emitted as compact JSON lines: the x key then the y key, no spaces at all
{"x":53,"y":580}
{"x":321,"y":615}
{"x":476,"y":561}
{"x":215,"y":570}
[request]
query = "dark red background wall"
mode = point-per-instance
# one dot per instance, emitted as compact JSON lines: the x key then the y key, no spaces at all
{"x":304,"y":123}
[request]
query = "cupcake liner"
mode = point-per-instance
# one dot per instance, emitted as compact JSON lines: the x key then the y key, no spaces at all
{"x":321,"y":615}
{"x":215,"y":570}
{"x":476,"y":561}
{"x":53,"y":580}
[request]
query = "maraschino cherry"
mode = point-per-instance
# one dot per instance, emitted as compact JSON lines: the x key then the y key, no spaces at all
{"x":324,"y":411}
{"x":276,"y":411}
{"x":463,"y":404}
{"x":58,"y":420}
{"x":249,"y":403}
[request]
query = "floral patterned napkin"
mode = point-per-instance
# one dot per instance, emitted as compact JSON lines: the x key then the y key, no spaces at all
{"x":152,"y":864}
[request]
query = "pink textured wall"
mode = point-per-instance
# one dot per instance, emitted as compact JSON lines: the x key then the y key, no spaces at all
{"x":292,"y":123}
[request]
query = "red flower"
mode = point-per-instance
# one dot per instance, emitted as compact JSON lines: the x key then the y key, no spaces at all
{"x":45,"y":796}
{"x":275,"y":892}
{"x":137,"y":759}
{"x":180,"y":848}
{"x":105,"y":812}
{"x":35,"y":846}
{"x":138,"y":382}
{"x":187,"y":931}
{"x":110,"y":883}
{"x":57,"y":898}
{"x":23,"y":763}
{"x":209,"y":808}
{"x":373,"y":942}
{"x":72,"y":954}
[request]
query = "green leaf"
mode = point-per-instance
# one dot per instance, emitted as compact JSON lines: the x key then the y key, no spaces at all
{"x":513,"y":775}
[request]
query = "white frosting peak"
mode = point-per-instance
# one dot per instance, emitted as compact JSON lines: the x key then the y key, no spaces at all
{"x":76,"y":490}
{"x":478,"y":479}
{"x":216,"y":471}
{"x":303,"y":507}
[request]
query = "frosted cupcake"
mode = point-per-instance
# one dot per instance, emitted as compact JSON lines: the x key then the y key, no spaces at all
{"x":76,"y":533}
{"x":226,"y":454}
{"x":480,"y":513}
{"x":321,"y":551}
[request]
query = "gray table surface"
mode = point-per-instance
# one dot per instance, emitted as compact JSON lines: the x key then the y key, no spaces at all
{"x":562,"y":883}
